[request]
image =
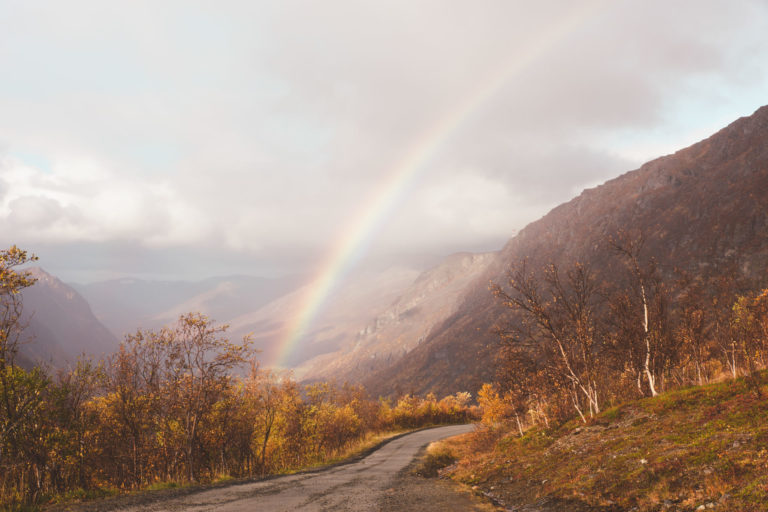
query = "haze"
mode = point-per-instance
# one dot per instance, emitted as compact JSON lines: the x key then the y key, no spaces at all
{"x":190,"y":139}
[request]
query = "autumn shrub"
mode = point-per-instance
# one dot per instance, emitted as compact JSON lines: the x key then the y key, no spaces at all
{"x":121,"y":427}
{"x":171,"y":407}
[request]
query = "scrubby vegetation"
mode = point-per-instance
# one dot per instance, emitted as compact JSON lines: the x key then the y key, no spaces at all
{"x":577,"y":343}
{"x":702,"y":446}
{"x":566,"y":424}
{"x":170,"y":408}
{"x":639,"y":393}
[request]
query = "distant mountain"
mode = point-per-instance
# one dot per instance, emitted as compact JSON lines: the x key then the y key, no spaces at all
{"x":369,"y":322}
{"x":392,"y":332}
{"x":348,"y":310}
{"x":125,"y":305}
{"x":60,"y":324}
{"x":703,"y":209}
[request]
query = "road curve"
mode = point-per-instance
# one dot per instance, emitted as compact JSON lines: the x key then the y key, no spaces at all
{"x":358,"y":486}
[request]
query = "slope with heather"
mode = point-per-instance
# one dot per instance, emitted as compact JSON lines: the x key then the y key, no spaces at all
{"x":385,"y":335}
{"x":702,"y":446}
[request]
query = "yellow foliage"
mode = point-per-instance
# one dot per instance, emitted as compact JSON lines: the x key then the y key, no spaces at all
{"x":492,"y":405}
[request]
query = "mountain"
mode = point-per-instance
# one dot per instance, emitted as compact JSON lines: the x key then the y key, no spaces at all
{"x":125,"y":305}
{"x":346,"y":311}
{"x":403,"y":324}
{"x":703,"y":209}
{"x":60,"y":324}
{"x":262,"y":307}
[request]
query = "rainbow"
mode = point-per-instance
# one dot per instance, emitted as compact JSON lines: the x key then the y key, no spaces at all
{"x":357,"y":236}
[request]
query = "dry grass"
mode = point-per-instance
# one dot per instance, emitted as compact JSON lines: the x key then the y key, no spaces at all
{"x":437,"y":457}
{"x":696,"y":446}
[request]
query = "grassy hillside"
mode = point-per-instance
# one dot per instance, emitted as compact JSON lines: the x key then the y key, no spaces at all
{"x":700,"y":448}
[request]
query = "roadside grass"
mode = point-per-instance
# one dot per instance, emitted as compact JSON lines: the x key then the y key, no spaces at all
{"x":359,"y":449}
{"x":353,"y":451}
{"x":704,"y":445}
{"x":159,"y":486}
{"x":436,"y":457}
{"x":71,"y":496}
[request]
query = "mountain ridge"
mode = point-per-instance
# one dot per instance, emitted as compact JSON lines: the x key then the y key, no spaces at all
{"x":60,"y":325}
{"x":397,"y":329}
{"x":694,"y":207}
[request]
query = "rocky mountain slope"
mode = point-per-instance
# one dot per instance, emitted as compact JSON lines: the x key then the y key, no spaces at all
{"x":371,"y":321}
{"x":703,"y":209}
{"x":60,"y":324}
{"x":346,"y":311}
{"x":371,"y":311}
{"x":403,"y":324}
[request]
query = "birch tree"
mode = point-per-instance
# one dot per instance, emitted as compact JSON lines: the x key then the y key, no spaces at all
{"x":561,"y":313}
{"x":200,"y":359}
{"x":644,"y":314}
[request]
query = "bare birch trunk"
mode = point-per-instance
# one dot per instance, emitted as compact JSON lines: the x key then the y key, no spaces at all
{"x":575,"y":399}
{"x":519,"y":425}
{"x":647,"y":368}
{"x":542,"y":413}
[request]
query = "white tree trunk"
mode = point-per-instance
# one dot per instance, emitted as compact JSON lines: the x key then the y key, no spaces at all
{"x":647,"y":368}
{"x":519,"y":425}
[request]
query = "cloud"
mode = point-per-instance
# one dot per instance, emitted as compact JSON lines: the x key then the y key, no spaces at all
{"x":81,"y":200}
{"x":262,"y":130}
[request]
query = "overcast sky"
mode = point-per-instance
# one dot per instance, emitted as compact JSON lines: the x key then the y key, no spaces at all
{"x":183,"y":139}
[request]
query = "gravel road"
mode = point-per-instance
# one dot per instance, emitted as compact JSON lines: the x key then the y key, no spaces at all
{"x":377,"y":482}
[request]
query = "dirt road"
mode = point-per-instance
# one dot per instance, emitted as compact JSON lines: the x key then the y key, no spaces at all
{"x":376,"y":482}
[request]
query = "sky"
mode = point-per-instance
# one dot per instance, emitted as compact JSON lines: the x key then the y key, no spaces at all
{"x":186,"y":139}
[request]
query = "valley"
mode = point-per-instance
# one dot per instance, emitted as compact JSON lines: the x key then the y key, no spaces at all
{"x":343,"y":255}
{"x":632,"y":318}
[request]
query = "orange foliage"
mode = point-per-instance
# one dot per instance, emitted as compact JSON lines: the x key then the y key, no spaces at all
{"x":167,"y":407}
